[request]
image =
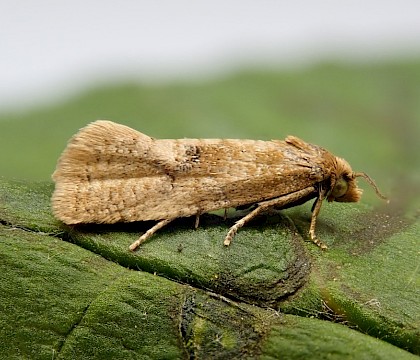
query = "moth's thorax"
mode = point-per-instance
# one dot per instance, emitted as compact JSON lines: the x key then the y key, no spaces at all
{"x":344,"y":184}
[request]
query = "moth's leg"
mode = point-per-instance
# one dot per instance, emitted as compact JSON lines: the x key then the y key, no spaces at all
{"x":225,"y":214}
{"x":264,"y":205}
{"x":149,"y":233}
{"x":197,"y":220}
{"x":315,"y":212}
{"x":241,"y":222}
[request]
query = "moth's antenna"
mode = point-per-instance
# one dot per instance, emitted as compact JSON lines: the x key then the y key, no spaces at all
{"x":372,"y":183}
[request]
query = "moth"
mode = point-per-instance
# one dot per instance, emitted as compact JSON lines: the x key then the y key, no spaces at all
{"x":111,"y":173}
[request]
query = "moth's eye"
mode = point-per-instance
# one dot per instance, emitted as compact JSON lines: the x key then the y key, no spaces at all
{"x":340,"y":188}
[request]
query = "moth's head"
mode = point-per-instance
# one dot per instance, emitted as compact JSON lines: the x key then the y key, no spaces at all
{"x":345,"y":188}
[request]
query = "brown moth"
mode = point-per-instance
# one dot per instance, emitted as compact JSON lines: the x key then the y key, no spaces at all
{"x":111,"y":173}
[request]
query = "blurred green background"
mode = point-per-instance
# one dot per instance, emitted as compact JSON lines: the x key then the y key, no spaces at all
{"x":367,"y":113}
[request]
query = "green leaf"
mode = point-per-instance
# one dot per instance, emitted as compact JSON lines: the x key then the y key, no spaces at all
{"x":78,"y":298}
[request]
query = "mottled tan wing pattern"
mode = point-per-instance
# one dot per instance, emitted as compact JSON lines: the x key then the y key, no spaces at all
{"x":110,"y":173}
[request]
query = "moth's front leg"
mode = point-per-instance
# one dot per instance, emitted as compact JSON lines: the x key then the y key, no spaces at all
{"x":264,"y":205}
{"x":315,"y":212}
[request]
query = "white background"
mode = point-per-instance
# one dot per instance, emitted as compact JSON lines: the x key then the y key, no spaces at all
{"x":51,"y":48}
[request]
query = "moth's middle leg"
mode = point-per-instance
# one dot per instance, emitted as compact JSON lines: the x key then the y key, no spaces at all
{"x":265,"y":205}
{"x":241,"y":222}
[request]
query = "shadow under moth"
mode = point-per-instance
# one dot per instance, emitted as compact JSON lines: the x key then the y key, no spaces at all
{"x":111,"y":173}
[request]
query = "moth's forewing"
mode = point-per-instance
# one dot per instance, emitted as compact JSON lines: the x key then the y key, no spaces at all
{"x":110,"y":173}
